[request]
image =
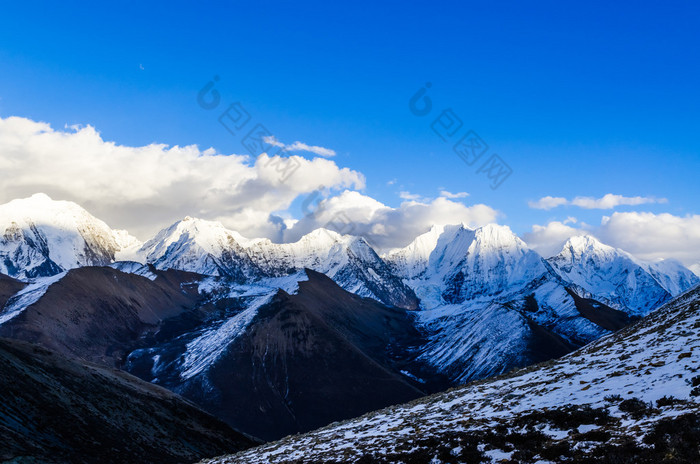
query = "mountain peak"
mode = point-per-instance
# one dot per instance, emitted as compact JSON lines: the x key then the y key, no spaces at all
{"x":41,"y":202}
{"x":322,"y":233}
{"x":40,"y":197}
{"x":585,"y":241}
{"x":42,"y":237}
{"x":617,"y":278}
{"x":498,"y":235}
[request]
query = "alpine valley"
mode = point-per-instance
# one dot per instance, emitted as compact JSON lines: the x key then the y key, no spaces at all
{"x":275,"y":339}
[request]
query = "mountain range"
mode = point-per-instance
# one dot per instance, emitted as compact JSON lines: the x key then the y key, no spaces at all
{"x":277,"y":339}
{"x":629,"y":397}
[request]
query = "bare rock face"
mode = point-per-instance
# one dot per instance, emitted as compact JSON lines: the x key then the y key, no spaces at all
{"x":97,"y":313}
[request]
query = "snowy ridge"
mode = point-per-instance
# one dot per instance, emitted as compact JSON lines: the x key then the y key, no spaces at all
{"x":486,"y":299}
{"x":42,"y":237}
{"x":204,"y":350}
{"x":647,"y":361}
{"x":618,"y":279}
{"x":208,"y":248}
{"x":27,"y":297}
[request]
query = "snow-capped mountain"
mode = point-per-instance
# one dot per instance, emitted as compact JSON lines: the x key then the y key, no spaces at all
{"x":346,"y":259}
{"x":491,"y":302}
{"x":629,"y":397}
{"x":207,"y":247}
{"x":42,"y":237}
{"x":204,"y":247}
{"x":672,"y":275}
{"x":616,"y":278}
{"x":695,"y":269}
{"x":465,"y":264}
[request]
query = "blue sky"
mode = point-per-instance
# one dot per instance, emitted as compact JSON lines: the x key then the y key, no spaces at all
{"x":579,"y":99}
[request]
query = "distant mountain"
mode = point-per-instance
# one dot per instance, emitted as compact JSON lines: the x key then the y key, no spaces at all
{"x":206,"y":247}
{"x":695,"y":268}
{"x":58,"y":410}
{"x":614,"y":277}
{"x":672,"y":275}
{"x":296,"y":362}
{"x":492,"y":304}
{"x":42,"y":237}
{"x":629,"y":397}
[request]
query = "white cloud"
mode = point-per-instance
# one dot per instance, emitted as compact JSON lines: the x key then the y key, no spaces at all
{"x":446,"y":194}
{"x":300,"y":146}
{"x":549,"y":239}
{"x":272,"y":140}
{"x":648,"y":236}
{"x":653,"y":236}
{"x":145,"y":188}
{"x":611,"y":201}
{"x":385,"y":227}
{"x":608,"y":201}
{"x":547,"y":202}
{"x":409,"y":196}
{"x":695,"y":268}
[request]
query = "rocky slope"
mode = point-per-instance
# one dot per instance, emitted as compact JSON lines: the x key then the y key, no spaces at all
{"x":57,"y":410}
{"x":97,"y":313}
{"x":628,"y":397}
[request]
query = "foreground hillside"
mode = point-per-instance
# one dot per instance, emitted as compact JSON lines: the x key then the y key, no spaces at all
{"x":628,"y":397}
{"x":58,"y":410}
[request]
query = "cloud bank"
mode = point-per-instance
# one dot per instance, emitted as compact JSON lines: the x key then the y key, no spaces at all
{"x":143,"y":189}
{"x":300,"y":146}
{"x":385,"y":227}
{"x":646,"y":235}
{"x":608,"y":201}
